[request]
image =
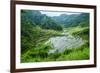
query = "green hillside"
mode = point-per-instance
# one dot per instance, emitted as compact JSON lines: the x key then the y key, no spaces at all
{"x":81,"y":19}
{"x":38,"y":30}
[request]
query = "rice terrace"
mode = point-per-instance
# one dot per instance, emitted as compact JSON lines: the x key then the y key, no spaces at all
{"x":54,"y":36}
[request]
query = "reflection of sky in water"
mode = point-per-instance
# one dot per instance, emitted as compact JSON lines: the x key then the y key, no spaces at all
{"x":54,"y":13}
{"x":60,"y":43}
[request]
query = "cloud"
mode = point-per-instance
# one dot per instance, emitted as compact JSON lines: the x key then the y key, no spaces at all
{"x":56,"y":13}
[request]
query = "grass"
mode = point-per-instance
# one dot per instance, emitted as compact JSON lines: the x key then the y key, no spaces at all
{"x":82,"y":32}
{"x":72,"y":30}
{"x":76,"y":54}
{"x":39,"y":52}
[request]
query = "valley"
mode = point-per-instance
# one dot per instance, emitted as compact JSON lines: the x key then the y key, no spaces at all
{"x":59,"y":38}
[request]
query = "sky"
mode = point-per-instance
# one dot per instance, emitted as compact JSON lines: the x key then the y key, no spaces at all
{"x":54,"y":13}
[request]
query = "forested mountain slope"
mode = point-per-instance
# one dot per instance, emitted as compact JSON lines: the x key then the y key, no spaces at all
{"x":81,"y":19}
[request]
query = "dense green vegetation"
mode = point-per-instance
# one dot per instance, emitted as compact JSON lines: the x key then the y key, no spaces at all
{"x":73,"y":20}
{"x":37,"y":28}
{"x":40,"y":54}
